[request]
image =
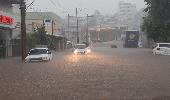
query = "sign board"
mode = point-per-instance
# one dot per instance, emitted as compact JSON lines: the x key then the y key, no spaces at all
{"x":48,"y":22}
{"x":6,"y":20}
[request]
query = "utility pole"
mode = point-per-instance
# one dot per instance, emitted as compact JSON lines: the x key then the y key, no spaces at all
{"x":68,"y":27}
{"x":87,"y":31}
{"x":23,"y":29}
{"x":98,"y":32}
{"x":77,"y":26}
{"x":52,"y":30}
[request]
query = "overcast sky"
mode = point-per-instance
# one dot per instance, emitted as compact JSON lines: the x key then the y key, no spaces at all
{"x":63,"y":7}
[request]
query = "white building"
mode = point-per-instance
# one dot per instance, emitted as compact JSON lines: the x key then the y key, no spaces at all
{"x":126,"y":10}
{"x":37,"y":19}
{"x":126,"y":15}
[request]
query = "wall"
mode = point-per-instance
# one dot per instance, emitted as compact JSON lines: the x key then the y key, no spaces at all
{"x":9,"y":32}
{"x":5,"y":6}
{"x":31,"y":24}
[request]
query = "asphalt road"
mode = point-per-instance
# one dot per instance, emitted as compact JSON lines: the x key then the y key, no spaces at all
{"x":104,"y":74}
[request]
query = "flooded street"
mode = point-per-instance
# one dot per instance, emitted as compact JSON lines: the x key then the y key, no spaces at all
{"x":104,"y":74}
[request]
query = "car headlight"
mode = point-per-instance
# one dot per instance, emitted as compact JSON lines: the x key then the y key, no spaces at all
{"x":27,"y":59}
{"x":88,"y":51}
{"x":75,"y":51}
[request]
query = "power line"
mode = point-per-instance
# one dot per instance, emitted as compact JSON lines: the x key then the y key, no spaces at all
{"x":53,"y":3}
{"x":30,"y":4}
{"x":58,"y":2}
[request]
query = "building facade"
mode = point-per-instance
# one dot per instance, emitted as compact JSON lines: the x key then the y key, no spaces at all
{"x":105,"y":34}
{"x":126,"y":15}
{"x":49,"y":19}
{"x":126,"y":10}
{"x":53,"y":26}
{"x":8,"y":27}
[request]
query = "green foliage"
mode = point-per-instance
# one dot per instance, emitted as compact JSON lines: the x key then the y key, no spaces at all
{"x":157,"y":23}
{"x":31,"y":40}
{"x":39,"y":37}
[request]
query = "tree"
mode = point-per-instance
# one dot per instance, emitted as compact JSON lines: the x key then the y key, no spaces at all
{"x":41,"y":36}
{"x":31,"y":40}
{"x":157,"y":23}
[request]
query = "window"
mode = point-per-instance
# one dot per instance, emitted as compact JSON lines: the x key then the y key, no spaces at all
{"x":38,"y":51}
{"x":164,"y":45}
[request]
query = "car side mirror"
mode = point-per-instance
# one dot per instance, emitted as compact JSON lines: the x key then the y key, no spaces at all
{"x":28,"y":54}
{"x":49,"y":52}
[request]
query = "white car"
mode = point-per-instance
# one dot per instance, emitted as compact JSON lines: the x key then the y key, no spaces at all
{"x":161,"y":48}
{"x":166,"y":51}
{"x":39,"y":54}
{"x":81,"y":49}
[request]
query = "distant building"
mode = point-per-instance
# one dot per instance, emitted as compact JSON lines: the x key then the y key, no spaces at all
{"x":71,"y":29}
{"x":126,"y":10}
{"x":126,"y":15}
{"x":37,"y":19}
{"x":105,"y":34}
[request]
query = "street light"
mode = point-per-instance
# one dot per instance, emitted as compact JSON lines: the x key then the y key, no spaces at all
{"x":98,"y":31}
{"x":69,"y":25}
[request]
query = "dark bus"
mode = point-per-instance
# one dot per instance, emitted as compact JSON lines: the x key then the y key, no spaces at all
{"x":131,"y":39}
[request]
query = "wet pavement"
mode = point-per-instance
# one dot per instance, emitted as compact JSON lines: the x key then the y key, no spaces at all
{"x":104,"y":74}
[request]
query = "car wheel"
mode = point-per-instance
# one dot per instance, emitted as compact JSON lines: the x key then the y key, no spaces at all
{"x":49,"y":59}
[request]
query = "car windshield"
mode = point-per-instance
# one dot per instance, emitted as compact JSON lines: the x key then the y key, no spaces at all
{"x":38,"y":51}
{"x":164,"y":45}
{"x":80,"y":46}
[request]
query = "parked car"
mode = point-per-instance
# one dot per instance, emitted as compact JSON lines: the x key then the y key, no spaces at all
{"x":39,"y":54}
{"x":166,"y":51}
{"x":81,"y":49}
{"x":161,"y":48}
